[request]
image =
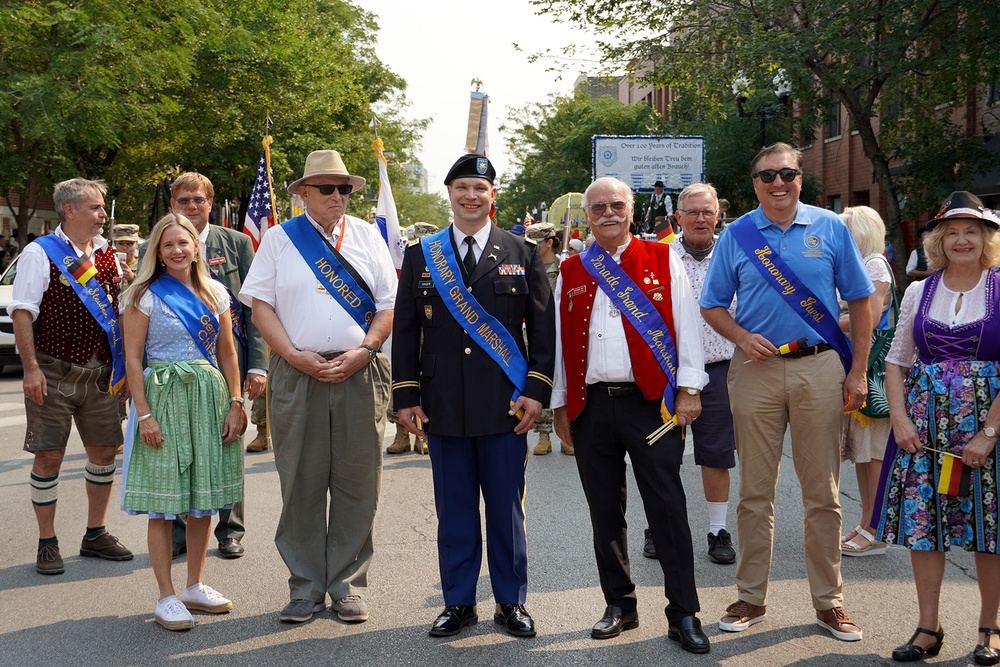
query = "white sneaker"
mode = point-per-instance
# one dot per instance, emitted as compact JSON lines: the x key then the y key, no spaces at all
{"x":205,"y":598}
{"x":172,"y":614}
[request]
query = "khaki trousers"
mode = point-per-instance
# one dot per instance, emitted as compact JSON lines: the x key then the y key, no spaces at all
{"x":328,"y":451}
{"x":806,"y":394}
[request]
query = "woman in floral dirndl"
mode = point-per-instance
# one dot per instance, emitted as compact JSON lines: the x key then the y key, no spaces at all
{"x":942,"y":380}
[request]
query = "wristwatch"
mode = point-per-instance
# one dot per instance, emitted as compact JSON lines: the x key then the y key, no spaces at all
{"x":989,"y":432}
{"x":371,"y":351}
{"x":690,"y":390}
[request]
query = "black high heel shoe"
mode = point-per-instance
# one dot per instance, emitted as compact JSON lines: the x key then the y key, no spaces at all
{"x":984,"y":653}
{"x":910,"y":652}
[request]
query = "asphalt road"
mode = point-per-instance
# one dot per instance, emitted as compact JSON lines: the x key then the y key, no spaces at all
{"x":99,"y":612}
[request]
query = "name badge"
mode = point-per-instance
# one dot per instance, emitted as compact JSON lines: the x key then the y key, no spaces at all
{"x":216,"y":260}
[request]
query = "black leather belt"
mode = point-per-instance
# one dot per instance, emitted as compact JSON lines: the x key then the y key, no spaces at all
{"x":807,"y":352}
{"x":330,"y":355}
{"x":615,"y":389}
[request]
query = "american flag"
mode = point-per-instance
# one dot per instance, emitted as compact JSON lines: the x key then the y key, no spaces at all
{"x":260,"y":209}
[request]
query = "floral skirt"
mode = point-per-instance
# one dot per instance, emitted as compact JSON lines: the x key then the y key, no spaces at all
{"x":947,"y":403}
{"x":193,"y":472}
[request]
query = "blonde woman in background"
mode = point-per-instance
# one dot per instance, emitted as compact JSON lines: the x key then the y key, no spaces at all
{"x":865,"y":437}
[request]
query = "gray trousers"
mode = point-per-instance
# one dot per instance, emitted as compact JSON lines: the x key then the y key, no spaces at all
{"x":327,"y":441}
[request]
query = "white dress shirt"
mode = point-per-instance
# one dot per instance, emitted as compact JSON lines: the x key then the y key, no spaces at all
{"x":481,"y":237}
{"x":608,"y":357}
{"x":312,"y":318}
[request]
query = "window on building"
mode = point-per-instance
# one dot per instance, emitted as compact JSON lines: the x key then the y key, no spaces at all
{"x":835,"y":204}
{"x":833,"y":125}
{"x":994,"y":92}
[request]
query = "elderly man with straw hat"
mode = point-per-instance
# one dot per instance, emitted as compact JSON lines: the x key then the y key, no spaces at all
{"x":322,"y":288}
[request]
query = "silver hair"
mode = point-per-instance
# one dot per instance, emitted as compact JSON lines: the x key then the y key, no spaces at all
{"x":73,"y":191}
{"x":608,"y":180}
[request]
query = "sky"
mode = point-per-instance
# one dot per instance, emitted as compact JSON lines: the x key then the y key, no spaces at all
{"x":439,"y":46}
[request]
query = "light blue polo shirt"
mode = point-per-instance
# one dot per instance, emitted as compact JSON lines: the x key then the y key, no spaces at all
{"x":819,"y":249}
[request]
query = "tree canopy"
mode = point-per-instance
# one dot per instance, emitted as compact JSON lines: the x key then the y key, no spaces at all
{"x":551,"y":146}
{"x":899,"y":67}
{"x":136,"y":92}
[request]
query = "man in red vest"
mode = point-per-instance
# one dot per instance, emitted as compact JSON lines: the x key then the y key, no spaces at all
{"x":67,"y":359}
{"x":608,"y":390}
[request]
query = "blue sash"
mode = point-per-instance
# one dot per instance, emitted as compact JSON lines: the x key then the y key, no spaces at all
{"x":200,"y":322}
{"x":329,"y":271}
{"x":484,"y":329}
{"x":94,"y":298}
{"x":780,"y":276}
{"x":639,"y":311}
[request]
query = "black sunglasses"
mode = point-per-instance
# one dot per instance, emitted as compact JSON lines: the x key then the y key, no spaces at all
{"x":768,"y":175}
{"x":342,"y":188}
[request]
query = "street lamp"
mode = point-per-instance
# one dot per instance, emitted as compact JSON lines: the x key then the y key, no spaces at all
{"x":781,"y":88}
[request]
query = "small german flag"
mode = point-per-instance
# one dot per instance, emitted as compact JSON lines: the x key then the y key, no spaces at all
{"x":794,"y":346}
{"x":664,"y":231}
{"x":83,"y":269}
{"x":953,"y":478}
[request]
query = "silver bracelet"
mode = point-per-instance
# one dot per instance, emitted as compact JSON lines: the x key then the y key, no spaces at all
{"x":146,"y":416}
{"x":238,"y":399}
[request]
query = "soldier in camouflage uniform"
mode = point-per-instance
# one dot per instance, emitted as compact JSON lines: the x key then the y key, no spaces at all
{"x":545,"y":235}
{"x":401,"y":445}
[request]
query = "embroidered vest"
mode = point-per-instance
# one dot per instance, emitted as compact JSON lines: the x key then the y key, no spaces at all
{"x":641,"y":260}
{"x":65,"y":329}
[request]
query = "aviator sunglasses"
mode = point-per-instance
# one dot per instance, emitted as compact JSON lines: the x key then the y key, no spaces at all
{"x":598,"y":208}
{"x":768,"y":175}
{"x":330,"y":188}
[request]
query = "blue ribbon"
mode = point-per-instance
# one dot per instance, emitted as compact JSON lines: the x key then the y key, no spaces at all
{"x":94,"y":298}
{"x":199,"y":321}
{"x":780,"y":276}
{"x":329,"y":271}
{"x":484,"y":329}
{"x":639,"y":311}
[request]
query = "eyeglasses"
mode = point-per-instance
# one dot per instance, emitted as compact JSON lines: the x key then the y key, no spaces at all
{"x":768,"y":175}
{"x":197,"y":201}
{"x":598,"y":208}
{"x":330,"y":188}
{"x":697,"y":214}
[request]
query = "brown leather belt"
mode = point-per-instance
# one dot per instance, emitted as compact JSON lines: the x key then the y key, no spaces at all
{"x":330,"y":355}
{"x":807,"y":352}
{"x":615,"y":389}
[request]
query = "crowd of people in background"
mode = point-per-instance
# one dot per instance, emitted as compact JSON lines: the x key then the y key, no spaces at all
{"x":786,"y":317}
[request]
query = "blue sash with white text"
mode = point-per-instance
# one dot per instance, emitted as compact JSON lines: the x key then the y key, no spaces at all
{"x":81,"y":275}
{"x":329,"y":271}
{"x":640,"y":312}
{"x":199,"y":321}
{"x":780,"y":276}
{"x":484,"y":329}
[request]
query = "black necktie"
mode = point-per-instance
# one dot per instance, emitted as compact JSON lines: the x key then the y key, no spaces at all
{"x":470,"y":257}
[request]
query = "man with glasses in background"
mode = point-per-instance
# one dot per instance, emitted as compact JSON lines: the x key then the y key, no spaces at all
{"x":784,"y":262}
{"x":322,"y":289}
{"x":629,"y":355}
{"x":227,"y":255}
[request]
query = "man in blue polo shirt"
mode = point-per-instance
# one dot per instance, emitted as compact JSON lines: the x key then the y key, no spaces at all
{"x":785,"y":262}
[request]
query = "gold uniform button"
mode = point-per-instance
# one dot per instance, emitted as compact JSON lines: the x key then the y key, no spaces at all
{"x":513,"y":290}
{"x":468,"y":351}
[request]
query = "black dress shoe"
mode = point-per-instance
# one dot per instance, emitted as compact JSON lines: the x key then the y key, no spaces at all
{"x":910,"y":652}
{"x":688,"y":632}
{"x":231,"y":548}
{"x":648,"y":548}
{"x":614,"y":622}
{"x":178,"y":549}
{"x":453,"y":619}
{"x":516,"y":618}
{"x":984,"y":654}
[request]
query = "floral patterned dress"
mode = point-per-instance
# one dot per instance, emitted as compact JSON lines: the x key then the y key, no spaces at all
{"x":950,"y":389}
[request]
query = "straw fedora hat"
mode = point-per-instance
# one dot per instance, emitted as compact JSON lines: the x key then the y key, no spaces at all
{"x":325,"y":163}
